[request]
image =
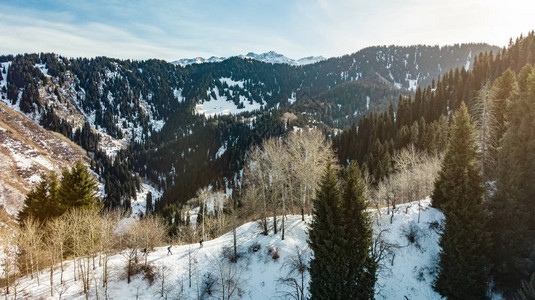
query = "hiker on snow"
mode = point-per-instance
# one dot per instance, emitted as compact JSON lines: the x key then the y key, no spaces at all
{"x":169,"y":250}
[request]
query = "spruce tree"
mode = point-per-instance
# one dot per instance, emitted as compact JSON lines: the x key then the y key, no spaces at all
{"x":42,"y":202}
{"x":325,"y":240}
{"x":458,"y":163}
{"x":359,"y":277}
{"x":78,"y":188}
{"x":463,"y":266}
{"x":513,"y":205}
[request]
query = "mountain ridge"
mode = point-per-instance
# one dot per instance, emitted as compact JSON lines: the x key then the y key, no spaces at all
{"x":267,"y":57}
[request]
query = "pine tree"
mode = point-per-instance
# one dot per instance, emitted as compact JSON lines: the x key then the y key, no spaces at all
{"x":458,"y":163}
{"x":78,"y":188}
{"x":359,"y":279}
{"x":325,"y":240}
{"x":463,"y":266}
{"x":42,"y":202}
{"x":513,"y":205}
{"x":148,"y":208}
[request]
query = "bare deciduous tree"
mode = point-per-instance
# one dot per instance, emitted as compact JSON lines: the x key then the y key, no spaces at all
{"x":30,"y":243}
{"x":284,"y":172}
{"x":9,"y":250}
{"x":297,"y":265}
{"x":412,"y":180}
{"x":229,"y":276}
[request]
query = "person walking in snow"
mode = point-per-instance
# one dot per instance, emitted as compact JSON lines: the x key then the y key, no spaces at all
{"x":169,"y":250}
{"x":201,"y":243}
{"x":144,"y":251}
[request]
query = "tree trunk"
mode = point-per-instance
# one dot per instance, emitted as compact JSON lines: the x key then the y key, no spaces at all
{"x":265,"y":211}
{"x":52,"y":277}
{"x":274,"y":217}
{"x":61,"y":262}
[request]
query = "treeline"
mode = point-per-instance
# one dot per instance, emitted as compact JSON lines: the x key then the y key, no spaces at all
{"x":422,"y":120}
{"x":484,"y":185}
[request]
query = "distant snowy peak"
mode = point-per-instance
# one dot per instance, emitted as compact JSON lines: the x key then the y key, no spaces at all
{"x":268,"y":57}
{"x":197,"y":60}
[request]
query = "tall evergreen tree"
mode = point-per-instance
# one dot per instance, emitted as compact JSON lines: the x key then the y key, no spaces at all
{"x":459,"y":191}
{"x":325,"y":240}
{"x":42,"y":202}
{"x":78,"y":187}
{"x":359,"y":278}
{"x":513,"y":206}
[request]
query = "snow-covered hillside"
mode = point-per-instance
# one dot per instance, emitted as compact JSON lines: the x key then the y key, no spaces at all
{"x":407,"y":272}
{"x":268,"y":57}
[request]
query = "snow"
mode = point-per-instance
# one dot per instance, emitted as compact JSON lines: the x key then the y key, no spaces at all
{"x":231,"y":82}
{"x":43,"y":68}
{"x":222,"y":106}
{"x":221,"y":151}
{"x":293,"y":98}
{"x":413,"y":84}
{"x":409,"y":277}
{"x":267,"y":57}
{"x":467,"y":65}
{"x":197,"y":60}
{"x":178,"y":95}
{"x":3,"y":82}
{"x":139,"y":204}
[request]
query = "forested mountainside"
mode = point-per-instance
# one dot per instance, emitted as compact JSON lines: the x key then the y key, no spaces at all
{"x":159,"y":120}
{"x":167,"y":129}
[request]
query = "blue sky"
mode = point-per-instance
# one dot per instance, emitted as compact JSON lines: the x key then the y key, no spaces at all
{"x":142,"y":29}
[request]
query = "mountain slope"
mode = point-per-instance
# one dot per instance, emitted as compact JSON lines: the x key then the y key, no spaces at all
{"x":406,"y":272}
{"x":167,"y":123}
{"x":271,"y":57}
{"x":28,"y":151}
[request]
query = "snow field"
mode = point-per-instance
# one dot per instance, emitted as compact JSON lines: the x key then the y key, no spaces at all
{"x":410,"y":275}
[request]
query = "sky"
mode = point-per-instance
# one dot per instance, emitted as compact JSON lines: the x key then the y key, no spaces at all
{"x":170,"y":30}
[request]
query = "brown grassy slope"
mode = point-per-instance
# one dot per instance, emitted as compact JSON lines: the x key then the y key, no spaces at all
{"x":28,"y":151}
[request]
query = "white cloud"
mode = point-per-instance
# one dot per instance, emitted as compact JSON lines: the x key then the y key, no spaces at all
{"x":171,"y":30}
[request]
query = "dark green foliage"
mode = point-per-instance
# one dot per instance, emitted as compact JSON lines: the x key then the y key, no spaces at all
{"x":43,"y":202}
{"x":51,"y":199}
{"x":460,"y":164}
{"x":459,"y":191}
{"x":341,"y":238}
{"x":78,"y":188}
{"x":513,"y":206}
{"x":149,"y":208}
{"x":360,"y":267}
{"x":326,"y":241}
{"x":527,"y":290}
